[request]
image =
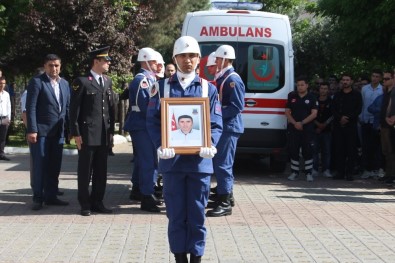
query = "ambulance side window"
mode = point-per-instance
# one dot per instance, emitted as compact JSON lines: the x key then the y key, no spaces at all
{"x":263,"y":67}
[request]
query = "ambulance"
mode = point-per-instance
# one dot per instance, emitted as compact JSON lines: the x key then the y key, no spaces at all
{"x":264,"y":60}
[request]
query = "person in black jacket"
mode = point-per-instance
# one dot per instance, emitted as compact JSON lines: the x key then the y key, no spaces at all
{"x":347,"y":105}
{"x":301,"y":110}
{"x":92,"y":126}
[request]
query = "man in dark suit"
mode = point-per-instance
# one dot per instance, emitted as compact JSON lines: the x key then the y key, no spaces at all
{"x":92,"y":126}
{"x":47,"y":106}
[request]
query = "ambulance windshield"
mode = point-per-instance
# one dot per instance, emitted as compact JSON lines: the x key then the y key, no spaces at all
{"x":260,"y":65}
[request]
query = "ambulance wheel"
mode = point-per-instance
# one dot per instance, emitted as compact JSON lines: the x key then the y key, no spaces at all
{"x":277,"y":164}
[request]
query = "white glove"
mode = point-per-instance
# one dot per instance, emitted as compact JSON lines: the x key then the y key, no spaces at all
{"x":166,"y":153}
{"x":207,"y":152}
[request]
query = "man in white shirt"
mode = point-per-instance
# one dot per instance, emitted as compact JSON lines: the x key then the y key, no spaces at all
{"x":5,"y":116}
{"x":185,"y":135}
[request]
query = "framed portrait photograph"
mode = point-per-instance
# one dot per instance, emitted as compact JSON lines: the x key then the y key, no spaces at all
{"x":185,"y":124}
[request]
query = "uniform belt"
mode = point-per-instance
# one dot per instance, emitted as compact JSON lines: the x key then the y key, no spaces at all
{"x":3,"y":117}
{"x":136,"y":108}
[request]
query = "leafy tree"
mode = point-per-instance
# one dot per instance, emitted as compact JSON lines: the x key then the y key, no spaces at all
{"x":365,"y":28}
{"x":165,"y":28}
{"x":80,"y":26}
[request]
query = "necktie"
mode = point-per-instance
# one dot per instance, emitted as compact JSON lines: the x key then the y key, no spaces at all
{"x":101,"y":82}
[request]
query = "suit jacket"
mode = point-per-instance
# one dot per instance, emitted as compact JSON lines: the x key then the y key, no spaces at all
{"x":42,"y":108}
{"x":91,"y":107}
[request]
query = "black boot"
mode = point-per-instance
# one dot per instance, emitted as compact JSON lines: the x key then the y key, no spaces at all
{"x":135,"y":194}
{"x":231,"y":199}
{"x":181,"y":257}
{"x":149,"y":204}
{"x":223,"y":208}
{"x":195,"y":259}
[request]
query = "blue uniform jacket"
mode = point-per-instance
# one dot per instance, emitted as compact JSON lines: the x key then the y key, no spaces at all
{"x":184,"y":163}
{"x":42,"y":108}
{"x":138,"y":88}
{"x":232,"y":101}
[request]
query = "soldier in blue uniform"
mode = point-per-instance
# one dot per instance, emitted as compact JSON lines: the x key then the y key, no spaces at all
{"x":145,"y":164}
{"x":231,"y":93}
{"x":301,"y":111}
{"x":186,"y":178}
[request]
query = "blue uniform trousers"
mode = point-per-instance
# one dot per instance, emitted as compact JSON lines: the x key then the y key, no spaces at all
{"x":47,"y":158}
{"x":223,"y":162}
{"x":146,"y":161}
{"x":186,"y":196}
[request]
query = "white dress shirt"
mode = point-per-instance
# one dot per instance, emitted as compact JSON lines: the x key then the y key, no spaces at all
{"x":5,"y":105}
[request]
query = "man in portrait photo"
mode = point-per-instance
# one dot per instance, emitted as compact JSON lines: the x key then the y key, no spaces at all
{"x":186,"y":135}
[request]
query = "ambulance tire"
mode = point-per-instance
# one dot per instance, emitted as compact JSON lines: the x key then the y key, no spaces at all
{"x":277,"y":164}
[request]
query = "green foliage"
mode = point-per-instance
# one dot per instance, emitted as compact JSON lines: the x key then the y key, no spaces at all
{"x":119,"y":80}
{"x":81,"y":26}
{"x":166,"y":26}
{"x":365,"y":28}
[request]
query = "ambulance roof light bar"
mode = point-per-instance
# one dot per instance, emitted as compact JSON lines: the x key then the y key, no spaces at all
{"x":222,"y":5}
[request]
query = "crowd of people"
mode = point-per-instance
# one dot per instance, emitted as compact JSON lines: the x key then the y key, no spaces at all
{"x":327,"y":125}
{"x":344,"y":130}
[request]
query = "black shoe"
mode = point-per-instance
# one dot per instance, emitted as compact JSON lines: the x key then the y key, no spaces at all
{"x":56,"y":201}
{"x":181,"y":257}
{"x":195,"y":259}
{"x":37,"y":206}
{"x":213,"y":197}
{"x":231,"y":200}
{"x":100,"y":208}
{"x":4,"y":158}
{"x":59,"y":193}
{"x":135,"y":194}
{"x":212,"y":204}
{"x":213,"y":190}
{"x":85,"y":212}
{"x":223,"y":209}
{"x":149,"y":204}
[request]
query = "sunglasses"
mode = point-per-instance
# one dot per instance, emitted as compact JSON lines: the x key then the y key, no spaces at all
{"x":386,"y":79}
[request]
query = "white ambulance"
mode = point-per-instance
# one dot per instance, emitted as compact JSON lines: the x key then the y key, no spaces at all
{"x":264,"y":60}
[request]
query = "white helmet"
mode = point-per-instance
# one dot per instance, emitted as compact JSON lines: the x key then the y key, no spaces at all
{"x":225,"y":51}
{"x":211,"y":60}
{"x":159,"y":58}
{"x":147,"y":54}
{"x":186,"y":44}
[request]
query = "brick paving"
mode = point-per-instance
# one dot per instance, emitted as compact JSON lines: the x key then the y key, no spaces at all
{"x":274,"y":220}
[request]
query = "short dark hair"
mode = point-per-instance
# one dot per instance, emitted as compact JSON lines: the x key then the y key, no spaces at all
{"x":3,"y":78}
{"x":51,"y":57}
{"x":377,"y":71}
{"x":390,"y":71}
{"x":324,"y":83}
{"x":302,"y":78}
{"x":347,"y":74}
{"x":185,"y":117}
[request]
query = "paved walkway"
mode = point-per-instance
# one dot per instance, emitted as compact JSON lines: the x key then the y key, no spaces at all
{"x":274,"y":220}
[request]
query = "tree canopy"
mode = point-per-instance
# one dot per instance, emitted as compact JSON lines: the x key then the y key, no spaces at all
{"x":364,"y":28}
{"x":73,"y":28}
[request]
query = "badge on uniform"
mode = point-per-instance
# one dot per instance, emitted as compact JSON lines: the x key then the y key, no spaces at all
{"x":153,"y":90}
{"x":232,"y":84}
{"x":217,"y":108}
{"x":75,"y":86}
{"x":144,"y":84}
{"x":307,"y":101}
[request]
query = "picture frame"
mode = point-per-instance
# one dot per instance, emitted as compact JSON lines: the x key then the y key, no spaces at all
{"x":185,"y":124}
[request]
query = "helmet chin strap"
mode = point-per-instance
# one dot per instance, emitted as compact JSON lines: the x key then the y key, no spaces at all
{"x":150,"y":69}
{"x":220,"y":73}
